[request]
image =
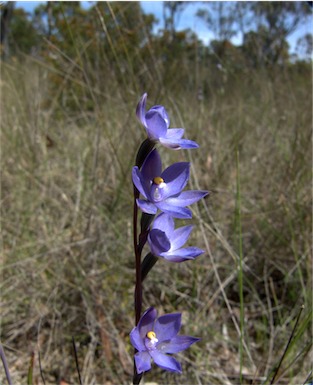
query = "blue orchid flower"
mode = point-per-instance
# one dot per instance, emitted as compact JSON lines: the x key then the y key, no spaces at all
{"x":163,"y":190}
{"x":156,"y":338}
{"x":165,"y":241}
{"x":156,"y":122}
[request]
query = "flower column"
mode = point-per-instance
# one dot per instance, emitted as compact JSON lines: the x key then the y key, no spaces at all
{"x":162,"y":191}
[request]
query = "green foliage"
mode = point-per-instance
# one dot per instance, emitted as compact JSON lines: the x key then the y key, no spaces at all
{"x":276,"y":21}
{"x":261,"y":49}
{"x":117,"y":36}
{"x":23,"y":35}
{"x":281,"y":17}
{"x":305,"y":46}
{"x":30,"y":370}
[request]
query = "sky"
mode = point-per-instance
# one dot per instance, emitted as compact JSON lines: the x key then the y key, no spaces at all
{"x":188,"y":19}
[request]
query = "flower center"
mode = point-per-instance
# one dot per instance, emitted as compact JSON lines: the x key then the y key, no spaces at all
{"x":157,"y":187}
{"x":153,"y":340}
{"x":151,"y":335}
{"x":158,"y":180}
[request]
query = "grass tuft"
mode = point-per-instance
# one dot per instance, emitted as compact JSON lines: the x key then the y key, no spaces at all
{"x":68,"y":143}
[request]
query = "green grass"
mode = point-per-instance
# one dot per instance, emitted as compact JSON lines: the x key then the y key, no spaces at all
{"x":67,"y":259}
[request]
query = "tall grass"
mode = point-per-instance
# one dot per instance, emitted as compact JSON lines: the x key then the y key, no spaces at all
{"x":68,"y":145}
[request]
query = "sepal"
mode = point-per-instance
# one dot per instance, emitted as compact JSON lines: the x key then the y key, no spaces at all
{"x":137,"y":377}
{"x":144,"y":150}
{"x":145,"y":221}
{"x":147,"y":264}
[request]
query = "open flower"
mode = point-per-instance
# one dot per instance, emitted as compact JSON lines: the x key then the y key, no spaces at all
{"x":155,"y":338}
{"x":156,"y":122}
{"x":163,"y":190}
{"x":165,"y":241}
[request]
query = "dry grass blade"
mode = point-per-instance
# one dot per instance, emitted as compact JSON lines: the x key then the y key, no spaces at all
{"x":287,"y":346}
{"x":5,"y":365}
{"x":76,"y":361}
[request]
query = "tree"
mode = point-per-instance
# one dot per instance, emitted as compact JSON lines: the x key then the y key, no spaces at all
{"x":23,"y":36}
{"x":220,"y":19}
{"x":305,"y":46}
{"x":275,"y":21}
{"x":6,"y":16}
{"x":171,"y":13}
{"x":226,"y":54}
{"x":91,"y":45}
{"x":260,"y":49}
{"x":61,"y":22}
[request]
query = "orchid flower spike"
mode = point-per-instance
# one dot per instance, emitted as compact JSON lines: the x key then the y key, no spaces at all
{"x":163,"y":190}
{"x":154,"y":338}
{"x":156,"y":122}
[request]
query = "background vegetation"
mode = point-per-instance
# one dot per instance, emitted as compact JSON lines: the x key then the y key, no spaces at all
{"x":70,"y":82}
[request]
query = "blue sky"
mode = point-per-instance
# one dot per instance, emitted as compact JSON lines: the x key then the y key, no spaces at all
{"x":186,"y":20}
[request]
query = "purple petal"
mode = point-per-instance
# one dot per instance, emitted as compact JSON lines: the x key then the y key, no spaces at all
{"x":143,"y":362}
{"x":158,"y":242}
{"x":167,"y":326}
{"x":179,"y":237}
{"x":136,"y":340}
{"x":181,"y":255}
{"x":186,"y":198}
{"x":166,"y":362}
{"x":146,"y":207}
{"x":141,"y":109}
{"x":139,"y":182}
{"x":146,"y":322}
{"x":174,"y":133}
{"x":176,"y":171}
{"x":162,"y":111}
{"x":175,"y":258}
{"x":152,"y":166}
{"x":177,"y":344}
{"x":156,"y":125}
{"x":176,"y":177}
{"x":165,"y":223}
{"x":174,"y":211}
{"x":177,"y":144}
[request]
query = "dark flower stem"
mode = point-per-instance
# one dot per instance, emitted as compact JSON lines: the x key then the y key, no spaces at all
{"x":145,"y":148}
{"x":139,"y":242}
{"x":138,"y":287}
